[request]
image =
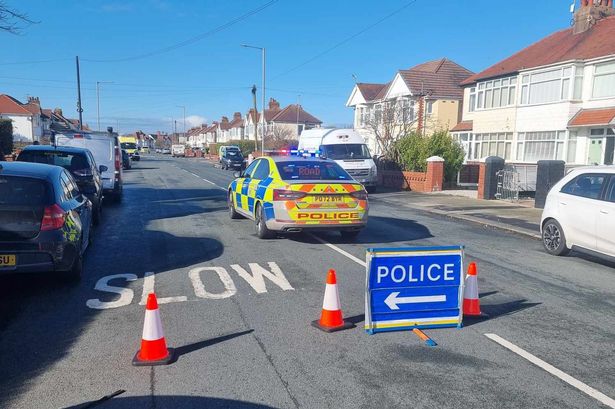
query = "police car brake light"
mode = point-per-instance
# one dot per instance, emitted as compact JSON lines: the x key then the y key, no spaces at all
{"x":359,"y":194}
{"x":279,"y":194}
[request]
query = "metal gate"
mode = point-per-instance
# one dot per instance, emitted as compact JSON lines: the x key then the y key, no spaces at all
{"x":508,"y":184}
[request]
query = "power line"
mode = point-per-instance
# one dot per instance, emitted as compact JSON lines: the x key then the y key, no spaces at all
{"x":190,"y":40}
{"x":36,"y":61}
{"x":346,"y":40}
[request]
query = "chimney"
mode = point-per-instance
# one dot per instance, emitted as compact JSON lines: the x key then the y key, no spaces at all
{"x":34,"y":100}
{"x":237,"y":115}
{"x":58,"y":111}
{"x":274,"y":105}
{"x":203,"y":125}
{"x":590,"y":12}
{"x":224,"y":120}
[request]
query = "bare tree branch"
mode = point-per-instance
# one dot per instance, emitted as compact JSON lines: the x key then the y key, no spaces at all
{"x":12,"y":21}
{"x":393,"y":120}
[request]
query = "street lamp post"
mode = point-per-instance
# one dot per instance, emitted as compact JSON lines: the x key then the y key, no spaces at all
{"x":98,"y":100}
{"x":263,"y":92}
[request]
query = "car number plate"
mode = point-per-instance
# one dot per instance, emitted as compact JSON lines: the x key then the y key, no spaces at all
{"x":8,"y":260}
{"x":328,"y":199}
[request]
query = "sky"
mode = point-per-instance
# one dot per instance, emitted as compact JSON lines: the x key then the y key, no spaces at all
{"x":154,"y":57}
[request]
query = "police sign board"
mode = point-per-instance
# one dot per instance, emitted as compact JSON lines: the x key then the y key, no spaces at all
{"x":417,"y":287}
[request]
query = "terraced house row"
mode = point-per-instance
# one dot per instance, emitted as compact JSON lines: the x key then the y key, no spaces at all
{"x":277,"y":123}
{"x":554,"y":99}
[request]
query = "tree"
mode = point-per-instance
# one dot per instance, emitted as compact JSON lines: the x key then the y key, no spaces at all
{"x":279,"y":137}
{"x":6,"y":137}
{"x":414,"y":150}
{"x":390,"y":121}
{"x":11,"y":20}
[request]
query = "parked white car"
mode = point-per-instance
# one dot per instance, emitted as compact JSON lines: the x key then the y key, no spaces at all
{"x":579,"y":212}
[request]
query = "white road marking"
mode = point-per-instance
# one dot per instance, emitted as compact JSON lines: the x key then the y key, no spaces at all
{"x":339,"y":250}
{"x":126,"y":294}
{"x":199,"y":288}
{"x":256,"y":279}
{"x":212,"y":183}
{"x":149,"y":281}
{"x":599,"y":396}
{"x":204,"y":180}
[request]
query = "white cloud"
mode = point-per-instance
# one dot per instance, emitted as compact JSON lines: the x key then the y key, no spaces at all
{"x":194,"y":120}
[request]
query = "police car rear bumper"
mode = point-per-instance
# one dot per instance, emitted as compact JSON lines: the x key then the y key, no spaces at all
{"x":292,"y":226}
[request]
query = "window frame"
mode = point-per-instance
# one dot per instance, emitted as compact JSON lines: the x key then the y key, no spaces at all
{"x":479,"y":100}
{"x":594,"y":75}
{"x":252,"y":165}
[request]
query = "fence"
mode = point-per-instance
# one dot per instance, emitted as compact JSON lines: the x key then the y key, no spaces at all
{"x":508,"y":180}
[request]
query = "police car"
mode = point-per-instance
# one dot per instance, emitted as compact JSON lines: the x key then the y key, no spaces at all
{"x":292,"y":194}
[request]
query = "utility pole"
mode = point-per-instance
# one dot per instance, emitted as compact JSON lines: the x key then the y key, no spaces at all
{"x":255,"y":118}
{"x":79,"y":108}
{"x":175,"y":128}
{"x":184,"y":126}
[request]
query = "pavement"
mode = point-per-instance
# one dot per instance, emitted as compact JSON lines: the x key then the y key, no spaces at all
{"x":238,"y":310}
{"x":516,"y":217}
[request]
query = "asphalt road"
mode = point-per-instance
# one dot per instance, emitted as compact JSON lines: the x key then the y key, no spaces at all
{"x":246,"y":343}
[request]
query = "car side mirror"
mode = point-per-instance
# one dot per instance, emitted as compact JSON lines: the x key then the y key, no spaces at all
{"x":237,"y":174}
{"x":102,"y":168}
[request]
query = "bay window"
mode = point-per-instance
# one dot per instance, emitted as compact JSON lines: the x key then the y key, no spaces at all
{"x":604,"y":80}
{"x":551,"y":86}
{"x":493,"y":144}
{"x":494,"y":94}
{"x":535,"y":146}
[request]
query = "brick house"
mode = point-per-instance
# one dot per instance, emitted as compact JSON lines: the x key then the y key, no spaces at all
{"x":424,"y":98}
{"x":554,"y":99}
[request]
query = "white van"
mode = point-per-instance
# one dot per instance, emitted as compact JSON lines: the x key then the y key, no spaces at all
{"x":344,"y":146}
{"x":105,"y":148}
{"x":178,"y":150}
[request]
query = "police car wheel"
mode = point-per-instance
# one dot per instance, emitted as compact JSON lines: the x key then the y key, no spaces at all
{"x":261,"y":227}
{"x":231,"y":207}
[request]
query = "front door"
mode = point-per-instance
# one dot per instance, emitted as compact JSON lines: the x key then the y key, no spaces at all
{"x":594,"y":156}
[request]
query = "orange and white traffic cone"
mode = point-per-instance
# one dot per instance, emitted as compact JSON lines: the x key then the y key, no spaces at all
{"x":331,"y":317}
{"x":471,"y":302}
{"x":154,"y":349}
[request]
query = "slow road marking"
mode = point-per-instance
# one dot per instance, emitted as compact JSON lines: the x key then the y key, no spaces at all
{"x":255,"y":278}
{"x":599,"y":396}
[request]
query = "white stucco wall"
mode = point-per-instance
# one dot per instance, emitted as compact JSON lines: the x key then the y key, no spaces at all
{"x":22,"y":127}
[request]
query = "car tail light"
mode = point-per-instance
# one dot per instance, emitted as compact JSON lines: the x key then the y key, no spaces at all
{"x":359,"y":194}
{"x":118,"y":159}
{"x":279,"y":194}
{"x":53,"y":218}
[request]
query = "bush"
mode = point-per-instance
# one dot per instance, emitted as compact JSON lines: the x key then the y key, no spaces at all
{"x":6,"y":137}
{"x":246,"y":146}
{"x":415,"y":149}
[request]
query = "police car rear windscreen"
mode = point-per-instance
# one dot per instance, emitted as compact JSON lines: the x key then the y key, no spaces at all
{"x":304,"y":170}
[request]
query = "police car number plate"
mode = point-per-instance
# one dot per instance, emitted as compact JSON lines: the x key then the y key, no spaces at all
{"x":328,"y":198}
{"x":7,"y":260}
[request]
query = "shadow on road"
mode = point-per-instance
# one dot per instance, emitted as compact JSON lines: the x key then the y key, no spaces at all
{"x":186,"y":349}
{"x":492,"y":311}
{"x":167,"y":401}
{"x":379,"y":230}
